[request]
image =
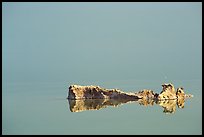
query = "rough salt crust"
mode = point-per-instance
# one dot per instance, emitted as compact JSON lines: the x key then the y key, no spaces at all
{"x":95,"y":92}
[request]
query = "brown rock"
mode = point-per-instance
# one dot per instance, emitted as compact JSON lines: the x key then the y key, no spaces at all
{"x":95,"y":92}
{"x":180,"y":93}
{"x":168,"y":92}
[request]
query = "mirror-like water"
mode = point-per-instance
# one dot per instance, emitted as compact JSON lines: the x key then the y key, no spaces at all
{"x":42,"y":108}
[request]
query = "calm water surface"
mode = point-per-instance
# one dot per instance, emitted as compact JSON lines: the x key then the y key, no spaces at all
{"x":42,"y":108}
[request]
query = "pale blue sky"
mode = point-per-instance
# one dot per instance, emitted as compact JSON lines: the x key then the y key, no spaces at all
{"x":101,"y":41}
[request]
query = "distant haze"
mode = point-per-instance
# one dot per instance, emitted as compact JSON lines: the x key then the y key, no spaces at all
{"x":101,"y":41}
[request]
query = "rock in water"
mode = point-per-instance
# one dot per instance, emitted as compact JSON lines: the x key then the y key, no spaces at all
{"x":95,"y":92}
{"x":168,"y":92}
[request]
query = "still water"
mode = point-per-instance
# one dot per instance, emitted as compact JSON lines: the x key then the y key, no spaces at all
{"x":42,"y":108}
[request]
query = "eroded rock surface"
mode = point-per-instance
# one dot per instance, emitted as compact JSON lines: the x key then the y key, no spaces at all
{"x":95,"y":92}
{"x":168,"y":92}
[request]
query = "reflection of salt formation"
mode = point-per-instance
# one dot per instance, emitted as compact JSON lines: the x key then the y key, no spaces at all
{"x":96,"y":104}
{"x":146,"y":102}
{"x":180,"y":102}
{"x":168,"y":105}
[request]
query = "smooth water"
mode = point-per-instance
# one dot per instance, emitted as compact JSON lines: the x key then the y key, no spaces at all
{"x":42,"y":108}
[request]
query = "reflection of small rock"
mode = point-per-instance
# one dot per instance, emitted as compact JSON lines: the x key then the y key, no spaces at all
{"x":180,"y":102}
{"x":168,"y":105}
{"x":146,"y":102}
